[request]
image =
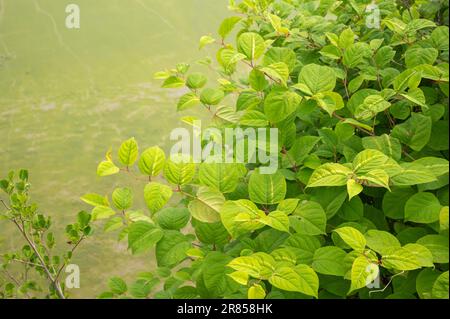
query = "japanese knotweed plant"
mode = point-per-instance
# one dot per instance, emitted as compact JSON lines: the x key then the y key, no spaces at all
{"x":36,"y":270}
{"x":358,"y":207}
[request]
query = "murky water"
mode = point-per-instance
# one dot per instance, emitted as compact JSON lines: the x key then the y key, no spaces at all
{"x":66,"y":96}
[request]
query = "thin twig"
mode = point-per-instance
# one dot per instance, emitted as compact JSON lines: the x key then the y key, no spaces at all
{"x":41,"y":259}
{"x":71,"y":251}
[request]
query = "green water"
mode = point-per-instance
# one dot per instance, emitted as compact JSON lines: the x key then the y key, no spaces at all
{"x":67,"y":95}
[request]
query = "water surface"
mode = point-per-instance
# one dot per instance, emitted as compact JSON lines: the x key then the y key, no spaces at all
{"x":67,"y":95}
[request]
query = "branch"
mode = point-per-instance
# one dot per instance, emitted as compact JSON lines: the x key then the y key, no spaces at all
{"x":41,"y":260}
{"x":4,"y":204}
{"x":6,"y":272}
{"x":340,"y":118}
{"x":71,"y":252}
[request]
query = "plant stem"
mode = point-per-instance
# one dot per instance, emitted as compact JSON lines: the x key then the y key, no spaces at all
{"x":53,"y":280}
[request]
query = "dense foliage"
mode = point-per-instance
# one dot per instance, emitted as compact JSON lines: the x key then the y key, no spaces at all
{"x":358,"y":207}
{"x":359,"y":204}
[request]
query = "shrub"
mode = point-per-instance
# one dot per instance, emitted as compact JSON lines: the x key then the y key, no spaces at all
{"x":359,"y":204}
{"x":358,"y":207}
{"x":25,"y":270}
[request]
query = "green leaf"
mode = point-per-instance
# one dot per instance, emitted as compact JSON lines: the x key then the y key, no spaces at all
{"x":241,"y":216}
{"x":277,"y":220}
{"x":205,"y":40}
{"x":440,"y":287}
{"x":214,"y":272}
{"x":422,"y":208}
{"x":172,"y":248}
{"x":304,"y":247}
{"x":259,"y":265}
{"x":355,"y":55}
{"x":329,"y":101}
{"x":416,"y":96}
{"x":317,"y":78}
{"x":156,"y":195}
{"x":372,"y":105}
{"x":301,"y":278}
{"x":438,"y":245}
{"x":211,"y":233}
{"x":221,"y":176}
{"x":409,"y":78}
{"x":94,"y":199}
{"x":399,"y":258}
{"x":369,"y":160}
{"x":439,"y":37}
{"x":279,"y":105}
{"x":412,"y":174}
{"x":267,"y":188}
{"x":329,"y":261}
{"x":254,"y":119}
{"x":227,"y":26}
{"x":117,"y":285}
{"x":211,"y":96}
{"x":128,"y":152}
{"x":256,"y":292}
{"x":122,"y":198}
{"x":142,"y":236}
{"x":102,"y":212}
{"x":381,"y":241}
{"x":179,"y":170}
{"x":288,"y":205}
{"x":106,"y":168}
{"x":390,"y":146}
{"x":173,"y":82}
{"x":285,"y":255}
{"x":240,"y":277}
{"x":251,"y":44}
{"x":384,"y":56}
{"x":353,"y":188}
{"x":352,"y":237}
{"x":257,"y":80}
{"x":346,"y":38}
{"x":206,"y":205}
{"x":152,"y":161}
{"x":438,"y":166}
{"x":280,"y":54}
{"x":138,"y":215}
{"x":172,"y":218}
{"x":352,"y":210}
{"x":187,"y":101}
{"x":113,"y":224}
{"x":443,"y":219}
{"x":439,"y":140}
{"x":196,"y":80}
{"x":141,"y":288}
{"x":363,"y":273}
{"x":248,"y":100}
{"x":278,"y":71}
{"x":330,"y":51}
{"x":330,"y":174}
{"x":423,"y":256}
{"x":312,"y":218}
{"x":415,"y":132}
{"x":415,"y":56}
{"x":225,"y":114}
{"x":425,"y":281}
{"x":302,"y":147}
